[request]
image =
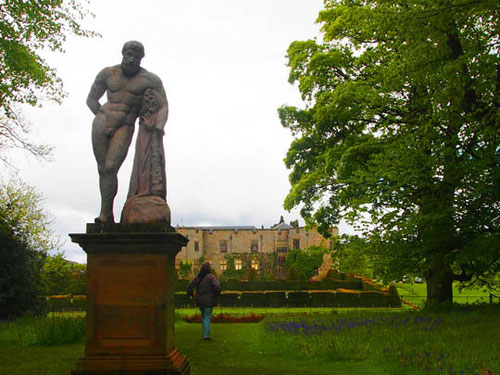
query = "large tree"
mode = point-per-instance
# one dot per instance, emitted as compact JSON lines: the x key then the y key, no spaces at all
{"x":400,"y":134}
{"x":26,"y":28}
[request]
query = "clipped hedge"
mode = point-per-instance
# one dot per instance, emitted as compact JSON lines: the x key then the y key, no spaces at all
{"x":322,"y":299}
{"x":316,"y":298}
{"x":183,"y":300}
{"x":229,"y":299}
{"x":346,"y":298}
{"x":275,"y":299}
{"x":253,"y":299}
{"x":298,"y":299}
{"x":260,"y":285}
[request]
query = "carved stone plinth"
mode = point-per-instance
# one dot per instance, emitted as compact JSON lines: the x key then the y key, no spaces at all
{"x":130,"y":300}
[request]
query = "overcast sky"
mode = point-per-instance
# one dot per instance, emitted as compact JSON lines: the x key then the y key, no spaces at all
{"x":223,"y":66}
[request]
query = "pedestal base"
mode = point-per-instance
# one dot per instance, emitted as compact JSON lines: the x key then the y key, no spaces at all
{"x":174,"y":363}
{"x":130,"y":300}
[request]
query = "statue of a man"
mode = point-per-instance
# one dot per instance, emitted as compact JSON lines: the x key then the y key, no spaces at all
{"x":113,"y":125}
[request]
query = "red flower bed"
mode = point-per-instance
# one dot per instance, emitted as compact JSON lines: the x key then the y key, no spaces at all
{"x":225,"y":318}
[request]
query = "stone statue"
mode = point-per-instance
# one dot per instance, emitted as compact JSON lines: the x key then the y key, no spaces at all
{"x":128,"y":86}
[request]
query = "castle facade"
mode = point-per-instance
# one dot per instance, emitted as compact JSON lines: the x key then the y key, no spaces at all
{"x":244,"y":247}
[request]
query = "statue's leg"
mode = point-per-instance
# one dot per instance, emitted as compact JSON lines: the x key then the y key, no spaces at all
{"x":116,"y":153}
{"x":100,"y":144}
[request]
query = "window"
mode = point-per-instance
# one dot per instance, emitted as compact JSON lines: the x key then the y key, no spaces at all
{"x":254,"y":246}
{"x":196,"y":246}
{"x":282,"y":249}
{"x":296,"y":243}
{"x":223,"y":246}
{"x":255,"y":264}
{"x":237,"y":264}
{"x":223,"y":264}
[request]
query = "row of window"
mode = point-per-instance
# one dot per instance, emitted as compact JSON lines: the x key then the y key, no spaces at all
{"x":238,"y":264}
{"x":254,"y":246}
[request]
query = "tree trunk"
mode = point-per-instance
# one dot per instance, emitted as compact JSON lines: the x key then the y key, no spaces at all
{"x":439,"y":284}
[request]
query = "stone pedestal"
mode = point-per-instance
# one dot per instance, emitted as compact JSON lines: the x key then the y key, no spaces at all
{"x":130,"y":300}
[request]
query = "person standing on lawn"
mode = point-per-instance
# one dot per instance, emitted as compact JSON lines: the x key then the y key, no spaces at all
{"x":207,"y":289}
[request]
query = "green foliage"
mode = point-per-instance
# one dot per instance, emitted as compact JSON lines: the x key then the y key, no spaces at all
{"x":304,"y":261}
{"x":26,"y":27}
{"x":399,"y":135}
{"x":352,"y":254}
{"x":201,"y":260}
{"x":185,"y":269}
{"x":21,"y":209}
{"x":25,"y":238}
{"x":56,"y":275}
{"x":78,"y":285}
{"x":291,"y":273}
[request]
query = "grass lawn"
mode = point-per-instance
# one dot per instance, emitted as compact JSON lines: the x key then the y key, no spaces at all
{"x":235,"y":349}
{"x":38,"y":360}
{"x":416,"y":294}
{"x":349,"y":341}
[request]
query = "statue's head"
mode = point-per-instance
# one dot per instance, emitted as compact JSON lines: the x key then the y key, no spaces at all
{"x":132,"y":53}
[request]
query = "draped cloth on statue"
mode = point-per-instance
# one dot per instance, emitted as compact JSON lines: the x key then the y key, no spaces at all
{"x":148,"y":173}
{"x":146,"y":200}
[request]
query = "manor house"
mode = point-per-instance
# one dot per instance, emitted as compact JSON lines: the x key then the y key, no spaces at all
{"x":263,"y":249}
